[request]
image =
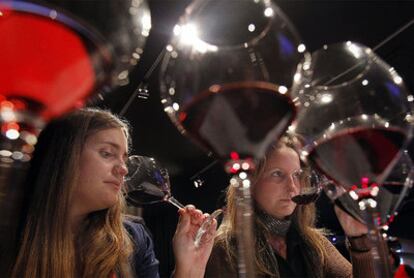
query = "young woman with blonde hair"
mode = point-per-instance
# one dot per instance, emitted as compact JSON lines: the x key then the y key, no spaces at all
{"x":287,"y":244}
{"x":74,"y":224}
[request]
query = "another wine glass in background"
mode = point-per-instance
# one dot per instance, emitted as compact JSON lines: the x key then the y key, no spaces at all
{"x":148,"y":183}
{"x":354,"y":120}
{"x":225,"y":83}
{"x":57,"y":56}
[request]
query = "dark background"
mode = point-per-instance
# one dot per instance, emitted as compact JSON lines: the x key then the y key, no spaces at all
{"x":319,"y":23}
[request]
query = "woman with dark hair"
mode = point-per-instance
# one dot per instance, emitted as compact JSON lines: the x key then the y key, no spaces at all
{"x":287,"y":244}
{"x":74,"y":224}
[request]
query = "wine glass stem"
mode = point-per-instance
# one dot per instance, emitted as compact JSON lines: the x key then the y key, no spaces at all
{"x":205,"y":226}
{"x":379,"y":251}
{"x":175,"y":202}
{"x":244,"y":222}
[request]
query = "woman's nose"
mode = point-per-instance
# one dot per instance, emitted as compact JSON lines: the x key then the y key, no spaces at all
{"x":291,"y":184}
{"x":121,"y":169}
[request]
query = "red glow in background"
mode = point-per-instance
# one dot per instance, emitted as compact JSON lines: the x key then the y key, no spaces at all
{"x":45,"y":61}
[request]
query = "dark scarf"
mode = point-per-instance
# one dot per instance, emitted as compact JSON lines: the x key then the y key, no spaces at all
{"x":274,"y":226}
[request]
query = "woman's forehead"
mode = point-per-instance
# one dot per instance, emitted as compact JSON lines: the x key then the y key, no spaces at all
{"x":113,"y":136}
{"x":283,"y":157}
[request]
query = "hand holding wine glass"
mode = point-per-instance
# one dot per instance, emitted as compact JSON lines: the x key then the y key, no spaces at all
{"x":191,"y":259}
{"x":351,"y":226}
{"x":148,"y":183}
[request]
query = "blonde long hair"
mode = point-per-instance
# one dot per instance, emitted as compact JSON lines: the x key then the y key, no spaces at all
{"x":47,"y":247}
{"x":304,"y":219}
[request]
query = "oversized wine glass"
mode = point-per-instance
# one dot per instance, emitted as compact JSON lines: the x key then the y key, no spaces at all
{"x":54,"y":56}
{"x":354,"y":122}
{"x":225,"y":83}
{"x":148,"y":183}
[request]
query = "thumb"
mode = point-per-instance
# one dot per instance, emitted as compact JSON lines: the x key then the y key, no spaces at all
{"x":184,"y":221}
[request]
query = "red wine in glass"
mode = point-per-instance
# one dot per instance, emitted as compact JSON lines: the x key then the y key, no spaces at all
{"x":148,"y":193}
{"x":311,"y":187}
{"x":243,"y":117}
{"x":357,"y":153}
{"x":49,"y":61}
{"x":306,"y":197}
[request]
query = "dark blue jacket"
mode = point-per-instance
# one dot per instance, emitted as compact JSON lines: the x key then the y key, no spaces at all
{"x":144,"y":261}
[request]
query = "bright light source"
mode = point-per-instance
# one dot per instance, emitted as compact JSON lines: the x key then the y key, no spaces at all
{"x":176,"y":106}
{"x":189,"y":34}
{"x":53,"y":14}
{"x":326,"y":98}
{"x":301,"y":48}
{"x":12,"y":134}
{"x":251,"y":27}
{"x":306,"y":65}
{"x":5,"y":153}
{"x":17,"y":155}
{"x":245,"y":166}
{"x":282,"y":89}
{"x":31,"y":139}
{"x":397,"y":80}
{"x":355,"y":50}
{"x":146,"y":24}
{"x":268,"y":12}
{"x":177,"y":30}
{"x":297,"y":77}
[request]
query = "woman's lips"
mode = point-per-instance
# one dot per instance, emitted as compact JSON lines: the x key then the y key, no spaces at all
{"x":115,"y":184}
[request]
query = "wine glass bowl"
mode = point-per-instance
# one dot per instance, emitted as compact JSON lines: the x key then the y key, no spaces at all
{"x":146,"y":182}
{"x":226,"y":75}
{"x":311,"y":183}
{"x":353,"y":113}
